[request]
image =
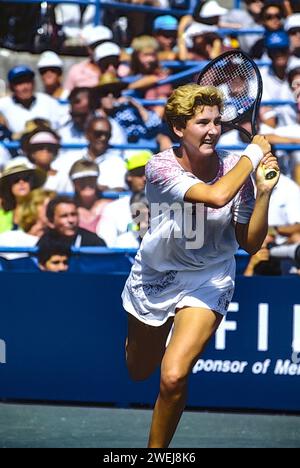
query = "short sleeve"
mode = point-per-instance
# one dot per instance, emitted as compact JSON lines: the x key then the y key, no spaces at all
{"x":243,"y":203}
{"x":167,"y":181}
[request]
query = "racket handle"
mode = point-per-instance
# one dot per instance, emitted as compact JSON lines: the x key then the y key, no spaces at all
{"x":270,"y":174}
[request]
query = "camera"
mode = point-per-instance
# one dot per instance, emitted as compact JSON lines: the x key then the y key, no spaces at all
{"x":286,"y":251}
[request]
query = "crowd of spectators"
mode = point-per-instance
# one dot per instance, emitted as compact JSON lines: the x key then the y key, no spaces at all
{"x":75,"y":131}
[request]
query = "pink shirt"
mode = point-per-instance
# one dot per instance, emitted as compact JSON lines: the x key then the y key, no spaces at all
{"x":82,"y":74}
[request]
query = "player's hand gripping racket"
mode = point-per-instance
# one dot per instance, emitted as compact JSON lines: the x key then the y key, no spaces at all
{"x":238,"y":78}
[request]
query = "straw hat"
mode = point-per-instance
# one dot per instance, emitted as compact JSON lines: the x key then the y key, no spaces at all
{"x":109,"y":82}
{"x":145,"y":44}
{"x":16,"y":167}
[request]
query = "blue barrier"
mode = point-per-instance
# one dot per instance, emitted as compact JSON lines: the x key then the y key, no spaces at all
{"x":89,"y":260}
{"x":62,"y":339}
{"x":153,"y":146}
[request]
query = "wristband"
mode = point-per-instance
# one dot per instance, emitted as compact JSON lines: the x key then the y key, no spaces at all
{"x":254,"y":153}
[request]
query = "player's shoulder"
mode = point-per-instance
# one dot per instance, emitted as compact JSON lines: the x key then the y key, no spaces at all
{"x":162,"y":163}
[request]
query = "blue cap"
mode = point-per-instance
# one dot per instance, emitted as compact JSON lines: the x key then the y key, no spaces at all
{"x":18,"y":72}
{"x":165,"y":23}
{"x":277,"y":40}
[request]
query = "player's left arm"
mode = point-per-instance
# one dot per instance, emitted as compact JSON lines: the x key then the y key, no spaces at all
{"x":251,"y":236}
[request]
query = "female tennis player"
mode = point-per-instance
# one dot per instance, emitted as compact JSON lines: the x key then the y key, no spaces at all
{"x":184,"y":280}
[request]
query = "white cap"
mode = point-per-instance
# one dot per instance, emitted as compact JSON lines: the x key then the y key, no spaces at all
{"x":49,"y":59}
{"x":294,"y":62}
{"x":212,"y":8}
{"x":196,"y":29}
{"x":93,"y":34}
{"x":106,"y":49}
{"x":292,"y":21}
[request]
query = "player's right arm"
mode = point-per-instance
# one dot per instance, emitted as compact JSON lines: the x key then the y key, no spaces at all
{"x":221,"y":192}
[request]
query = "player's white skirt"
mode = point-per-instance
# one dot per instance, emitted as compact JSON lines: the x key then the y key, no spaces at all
{"x":152,"y":296}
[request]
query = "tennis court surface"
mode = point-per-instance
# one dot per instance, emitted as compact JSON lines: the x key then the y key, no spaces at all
{"x":32,"y":425}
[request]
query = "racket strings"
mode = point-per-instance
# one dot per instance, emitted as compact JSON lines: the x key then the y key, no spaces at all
{"x":236,"y":78}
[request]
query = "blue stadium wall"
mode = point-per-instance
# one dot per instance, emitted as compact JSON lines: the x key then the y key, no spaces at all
{"x":62,"y":339}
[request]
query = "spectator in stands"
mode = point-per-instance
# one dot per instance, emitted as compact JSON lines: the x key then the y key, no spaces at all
{"x":139,"y":124}
{"x":73,"y":19}
{"x":275,"y":85}
{"x":200,"y":42}
{"x":16,"y":182}
{"x":272,"y":18}
{"x":87,"y":73}
{"x":117,"y":226}
{"x":294,"y":83}
{"x":148,"y":71}
{"x":32,"y":215}
{"x":261,"y":263}
{"x":50,"y":67}
{"x":197,"y":34}
{"x":245,"y":18}
{"x":24,"y":104}
{"x":88,"y":198}
{"x":107,"y":57}
{"x":109,"y":161}
{"x":165,"y":32}
{"x":73,"y":130}
{"x":81,"y":107}
{"x":41,"y":147}
{"x":53,"y":255}
{"x":63,"y":224}
{"x":284,"y":211}
{"x":111,"y":166}
{"x":292,"y":27}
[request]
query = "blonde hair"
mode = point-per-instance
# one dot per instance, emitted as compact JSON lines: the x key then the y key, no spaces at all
{"x":29,"y":214}
{"x":186,"y":100}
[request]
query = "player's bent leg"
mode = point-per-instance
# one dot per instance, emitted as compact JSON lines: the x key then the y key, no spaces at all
{"x":145,"y":347}
{"x":193,"y":328}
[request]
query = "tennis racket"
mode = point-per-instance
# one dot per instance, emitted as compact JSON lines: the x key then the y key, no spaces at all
{"x":238,"y":78}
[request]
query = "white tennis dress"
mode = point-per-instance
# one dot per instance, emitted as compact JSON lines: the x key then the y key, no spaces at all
{"x":187,"y":256}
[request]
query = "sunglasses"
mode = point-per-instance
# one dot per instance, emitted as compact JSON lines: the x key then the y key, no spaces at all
{"x":79,"y":115}
{"x":17,"y":178}
{"x":86,"y":182}
{"x":275,"y":16}
{"x":42,"y":71}
{"x":51,"y":147}
{"x":107,"y":61}
{"x":101,"y":134}
{"x":294,"y":31}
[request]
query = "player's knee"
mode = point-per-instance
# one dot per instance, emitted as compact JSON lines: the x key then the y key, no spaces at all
{"x":173,"y":382}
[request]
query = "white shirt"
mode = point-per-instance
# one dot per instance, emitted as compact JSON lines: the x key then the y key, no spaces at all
{"x":43,"y":106}
{"x":114,"y":226}
{"x":284,"y":207}
{"x":111,"y":166}
{"x":70,"y":134}
{"x":279,"y":90}
{"x":69,"y":17}
{"x":16,"y":239}
{"x":161,"y":248}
